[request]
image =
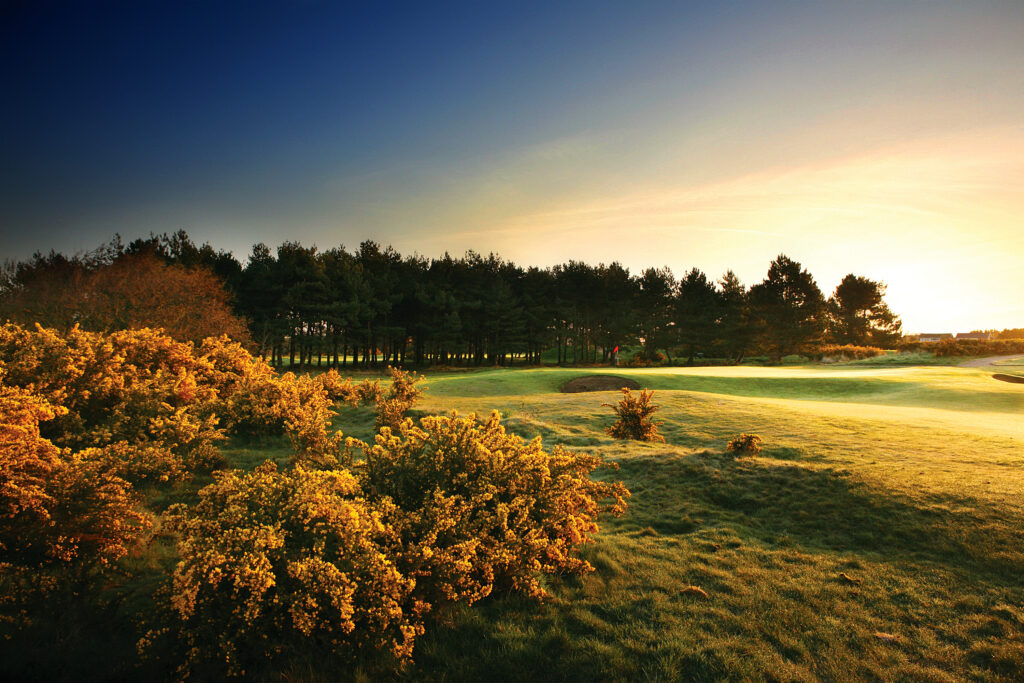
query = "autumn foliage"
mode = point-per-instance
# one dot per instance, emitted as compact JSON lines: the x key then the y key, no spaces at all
{"x":634,"y":413}
{"x":133,"y":291}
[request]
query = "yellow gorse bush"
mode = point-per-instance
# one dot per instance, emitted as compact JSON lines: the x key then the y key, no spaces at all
{"x":401,"y":395}
{"x":335,"y":554}
{"x":274,"y":561}
{"x":496,"y":510}
{"x":746,"y":444}
{"x":136,"y":388}
{"x":634,"y":417}
{"x":56,"y":507}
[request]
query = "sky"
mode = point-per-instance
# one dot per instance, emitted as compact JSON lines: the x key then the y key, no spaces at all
{"x":883,"y":139}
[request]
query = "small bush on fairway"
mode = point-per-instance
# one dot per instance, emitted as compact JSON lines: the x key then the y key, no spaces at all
{"x":634,"y":413}
{"x":747,"y":444}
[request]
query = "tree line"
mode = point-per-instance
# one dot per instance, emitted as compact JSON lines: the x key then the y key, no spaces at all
{"x":374,"y":306}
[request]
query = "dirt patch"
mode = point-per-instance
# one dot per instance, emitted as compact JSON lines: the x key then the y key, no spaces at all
{"x":597,"y":383}
{"x":1008,"y":378}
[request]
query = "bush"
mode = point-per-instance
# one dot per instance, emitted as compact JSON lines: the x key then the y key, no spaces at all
{"x":339,"y":388}
{"x":273,"y":563}
{"x":843,"y":352}
{"x":401,"y":395}
{"x":641,"y":360}
{"x":747,"y":444}
{"x":139,"y":387}
{"x":634,"y":417}
{"x":976,"y":347}
{"x":484,"y":509}
{"x":57,"y":509}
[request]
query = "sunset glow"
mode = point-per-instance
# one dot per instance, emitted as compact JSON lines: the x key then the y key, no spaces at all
{"x":879,"y":139}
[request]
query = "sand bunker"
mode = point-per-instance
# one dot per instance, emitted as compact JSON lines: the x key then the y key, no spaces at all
{"x":597,"y":383}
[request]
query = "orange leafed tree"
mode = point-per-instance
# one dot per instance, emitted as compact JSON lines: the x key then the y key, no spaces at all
{"x":134,"y":291}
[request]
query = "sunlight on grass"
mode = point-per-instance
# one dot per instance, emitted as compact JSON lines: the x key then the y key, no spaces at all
{"x":879,"y":535}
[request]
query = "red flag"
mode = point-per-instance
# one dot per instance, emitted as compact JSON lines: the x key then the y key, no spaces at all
{"x":616,"y":350}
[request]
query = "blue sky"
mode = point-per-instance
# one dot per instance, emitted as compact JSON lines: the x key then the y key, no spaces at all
{"x":880,"y":138}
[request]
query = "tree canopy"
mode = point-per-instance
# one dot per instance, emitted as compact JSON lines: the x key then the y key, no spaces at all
{"x":374,"y":306}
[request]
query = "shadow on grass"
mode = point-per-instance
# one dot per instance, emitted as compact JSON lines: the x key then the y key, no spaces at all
{"x":818,"y":509}
{"x":553,"y":643}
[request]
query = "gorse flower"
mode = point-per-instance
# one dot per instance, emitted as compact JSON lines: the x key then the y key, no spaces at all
{"x":349,"y":551}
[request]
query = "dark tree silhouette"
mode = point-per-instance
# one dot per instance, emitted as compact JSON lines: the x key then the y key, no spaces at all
{"x":374,"y":307}
{"x":859,"y":315}
{"x":698,"y":306}
{"x":788,"y":306}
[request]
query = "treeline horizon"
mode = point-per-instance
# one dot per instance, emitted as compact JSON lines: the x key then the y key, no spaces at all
{"x":374,"y":306}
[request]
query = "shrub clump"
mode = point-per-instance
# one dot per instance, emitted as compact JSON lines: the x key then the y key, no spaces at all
{"x":137,"y":388}
{"x":58,"y":509}
{"x":634,"y":413}
{"x":747,"y":444}
{"x":485,"y":509}
{"x":274,"y":562}
{"x":844,"y":352}
{"x":642,"y":360}
{"x":976,"y":347}
{"x":401,"y":395}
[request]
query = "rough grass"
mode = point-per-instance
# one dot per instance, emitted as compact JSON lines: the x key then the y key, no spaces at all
{"x":879,"y":535}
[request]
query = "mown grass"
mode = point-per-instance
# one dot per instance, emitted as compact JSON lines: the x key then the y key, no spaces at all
{"x":879,"y":536}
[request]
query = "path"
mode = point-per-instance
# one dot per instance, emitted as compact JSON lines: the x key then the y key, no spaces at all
{"x":982,"y":362}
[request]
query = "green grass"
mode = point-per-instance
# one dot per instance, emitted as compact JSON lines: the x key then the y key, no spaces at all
{"x":887,"y":500}
{"x":908,"y":481}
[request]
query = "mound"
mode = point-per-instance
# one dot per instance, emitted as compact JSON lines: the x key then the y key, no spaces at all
{"x":1001,"y":377}
{"x":597,"y":383}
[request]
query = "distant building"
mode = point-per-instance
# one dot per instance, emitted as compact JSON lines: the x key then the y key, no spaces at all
{"x":934,"y":337}
{"x":980,"y":336}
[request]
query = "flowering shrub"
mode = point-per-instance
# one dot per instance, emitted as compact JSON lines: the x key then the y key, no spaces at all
{"x":401,"y":395}
{"x":56,"y":508}
{"x":245,"y":386}
{"x":274,"y":564}
{"x":135,"y":387}
{"x":339,"y":388}
{"x":747,"y":444}
{"x":634,"y":417}
{"x":484,"y":508}
{"x":274,"y":561}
